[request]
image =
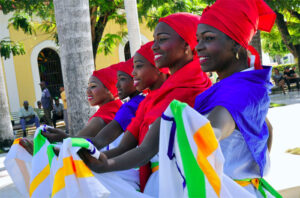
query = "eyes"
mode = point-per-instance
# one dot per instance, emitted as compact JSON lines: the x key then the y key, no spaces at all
{"x":122,"y":78}
{"x":91,"y":86}
{"x":138,"y":66}
{"x":206,"y":38}
{"x":161,"y":39}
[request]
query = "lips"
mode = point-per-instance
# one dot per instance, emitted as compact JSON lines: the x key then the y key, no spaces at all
{"x":157,"y":56}
{"x":203,"y":59}
{"x":136,"y":82}
{"x":90,"y":98}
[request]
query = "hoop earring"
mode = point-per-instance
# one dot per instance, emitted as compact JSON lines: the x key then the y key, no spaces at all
{"x":237,"y":56}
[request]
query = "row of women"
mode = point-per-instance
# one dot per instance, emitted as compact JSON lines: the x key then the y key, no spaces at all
{"x":172,"y":67}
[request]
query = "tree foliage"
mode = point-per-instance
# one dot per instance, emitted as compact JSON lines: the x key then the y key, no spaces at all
{"x":8,"y":47}
{"x":101,"y":12}
{"x":285,"y":37}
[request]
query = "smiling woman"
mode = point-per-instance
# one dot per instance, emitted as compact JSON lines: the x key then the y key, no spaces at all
{"x":237,"y":105}
{"x":101,"y":92}
{"x":173,"y":48}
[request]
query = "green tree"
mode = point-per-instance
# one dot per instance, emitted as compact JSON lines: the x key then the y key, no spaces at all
{"x":101,"y":12}
{"x":287,"y":30}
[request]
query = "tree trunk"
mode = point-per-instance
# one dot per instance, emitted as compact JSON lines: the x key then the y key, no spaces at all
{"x":98,"y":33}
{"x":298,"y":55}
{"x":256,"y":43}
{"x":286,"y":37}
{"x":6,"y":131}
{"x":76,"y":54}
{"x":134,"y":35}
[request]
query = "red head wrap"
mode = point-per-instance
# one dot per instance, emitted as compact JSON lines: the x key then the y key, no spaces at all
{"x":126,"y":67}
{"x":185,"y":24}
{"x":108,"y":76}
{"x":146,"y":51}
{"x":239,"y":19}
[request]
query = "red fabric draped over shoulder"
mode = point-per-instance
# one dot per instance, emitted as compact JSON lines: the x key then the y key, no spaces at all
{"x":108,"y":111}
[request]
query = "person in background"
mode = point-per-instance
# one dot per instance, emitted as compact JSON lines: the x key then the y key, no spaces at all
{"x":278,"y":79}
{"x":27,"y":116}
{"x":64,"y":99}
{"x":46,"y":100}
{"x":58,"y":110}
{"x":40,"y":112}
{"x":290,"y":76}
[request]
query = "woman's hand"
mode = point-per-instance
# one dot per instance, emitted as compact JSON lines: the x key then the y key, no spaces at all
{"x":27,"y":145}
{"x":54,"y":135}
{"x":98,"y":165}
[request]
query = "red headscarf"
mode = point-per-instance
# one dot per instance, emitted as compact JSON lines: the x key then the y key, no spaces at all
{"x":146,"y":51}
{"x":239,"y":19}
{"x":185,"y":24}
{"x":108,"y":76}
{"x":126,"y":67}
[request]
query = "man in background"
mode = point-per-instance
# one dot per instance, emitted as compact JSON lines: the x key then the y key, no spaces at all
{"x":290,"y":76}
{"x":58,"y":110}
{"x":40,"y":112}
{"x":27,"y":116}
{"x":46,"y":102}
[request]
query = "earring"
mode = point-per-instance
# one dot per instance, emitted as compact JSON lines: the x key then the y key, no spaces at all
{"x":237,"y":56}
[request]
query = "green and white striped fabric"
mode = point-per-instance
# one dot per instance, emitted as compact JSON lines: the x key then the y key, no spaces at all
{"x":190,"y":158}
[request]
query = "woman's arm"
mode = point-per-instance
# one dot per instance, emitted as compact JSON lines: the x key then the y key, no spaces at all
{"x":107,"y":135}
{"x":133,"y":158}
{"x":90,"y":130}
{"x":128,"y":142}
{"x":270,"y":129}
{"x":222,"y":122}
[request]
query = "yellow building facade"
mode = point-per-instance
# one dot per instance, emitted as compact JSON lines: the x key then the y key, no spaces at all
{"x":22,"y":73}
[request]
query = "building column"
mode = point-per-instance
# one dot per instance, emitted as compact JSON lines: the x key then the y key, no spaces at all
{"x":9,"y":67}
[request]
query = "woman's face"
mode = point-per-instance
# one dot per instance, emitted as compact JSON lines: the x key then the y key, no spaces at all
{"x":125,"y":85}
{"x":145,"y":75}
{"x":214,"y":49}
{"x":169,"y":48}
{"x":96,"y":92}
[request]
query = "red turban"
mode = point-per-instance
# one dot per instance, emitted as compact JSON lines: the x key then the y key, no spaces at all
{"x":108,"y":76}
{"x":185,"y":24}
{"x":239,"y":19}
{"x":126,"y":67}
{"x":146,"y":51}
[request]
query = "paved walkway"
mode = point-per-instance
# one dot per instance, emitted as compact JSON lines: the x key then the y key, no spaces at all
{"x":284,"y":171}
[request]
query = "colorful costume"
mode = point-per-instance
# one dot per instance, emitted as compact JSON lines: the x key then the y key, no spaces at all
{"x":183,"y":85}
{"x":248,"y":107}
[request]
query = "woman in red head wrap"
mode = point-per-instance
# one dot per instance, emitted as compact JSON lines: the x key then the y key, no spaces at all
{"x":237,"y":105}
{"x":101,"y":92}
{"x":173,"y":48}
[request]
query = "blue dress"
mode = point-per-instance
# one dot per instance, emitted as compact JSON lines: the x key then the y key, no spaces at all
{"x":127,"y":111}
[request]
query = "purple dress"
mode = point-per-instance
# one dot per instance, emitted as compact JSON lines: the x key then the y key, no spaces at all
{"x":127,"y":111}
